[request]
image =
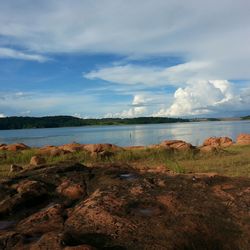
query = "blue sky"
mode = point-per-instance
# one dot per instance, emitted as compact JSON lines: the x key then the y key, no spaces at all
{"x":124,"y":58}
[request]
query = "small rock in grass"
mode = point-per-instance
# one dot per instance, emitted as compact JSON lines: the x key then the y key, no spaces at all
{"x":37,"y":160}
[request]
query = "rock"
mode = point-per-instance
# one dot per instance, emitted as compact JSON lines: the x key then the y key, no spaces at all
{"x":156,"y":146}
{"x":71,"y":190}
{"x":37,"y":160}
{"x":3,"y":146}
{"x":17,"y":146}
{"x":46,"y":220}
{"x":49,"y":241}
{"x":134,"y":147}
{"x":72,"y":147}
{"x":80,"y":247}
{"x":102,"y":149}
{"x":51,"y":151}
{"x":15,"y":168}
{"x":27,"y":191}
{"x":218,"y":142}
{"x":243,"y":139}
{"x":11,"y":240}
{"x":208,"y":148}
{"x":31,"y":188}
{"x":122,"y":208}
{"x":176,"y":144}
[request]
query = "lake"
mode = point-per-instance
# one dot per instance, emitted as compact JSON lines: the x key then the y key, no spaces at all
{"x":127,"y":135}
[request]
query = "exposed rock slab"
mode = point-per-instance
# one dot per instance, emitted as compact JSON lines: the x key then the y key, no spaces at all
{"x":117,"y":207}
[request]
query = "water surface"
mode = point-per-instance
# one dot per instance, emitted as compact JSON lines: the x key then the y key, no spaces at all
{"x":127,"y":135}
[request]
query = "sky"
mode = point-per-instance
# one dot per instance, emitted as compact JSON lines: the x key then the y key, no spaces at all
{"x":125,"y":58}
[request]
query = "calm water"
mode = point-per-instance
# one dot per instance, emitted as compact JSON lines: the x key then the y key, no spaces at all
{"x":194,"y":133}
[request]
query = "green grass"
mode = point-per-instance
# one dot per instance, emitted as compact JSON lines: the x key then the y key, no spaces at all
{"x":232,"y":161}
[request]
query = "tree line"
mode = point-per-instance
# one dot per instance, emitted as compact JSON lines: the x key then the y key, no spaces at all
{"x":18,"y":122}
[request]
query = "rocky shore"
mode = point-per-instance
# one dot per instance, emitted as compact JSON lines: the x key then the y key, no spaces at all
{"x":69,"y":205}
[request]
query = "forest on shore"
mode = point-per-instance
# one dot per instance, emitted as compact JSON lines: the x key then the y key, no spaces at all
{"x":18,"y":122}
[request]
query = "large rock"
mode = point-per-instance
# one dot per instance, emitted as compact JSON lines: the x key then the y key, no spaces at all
{"x":102,"y":149}
{"x":28,"y":191}
{"x":243,"y":139}
{"x":71,"y":190}
{"x":47,"y":220}
{"x":176,"y":144}
{"x":31,"y":187}
{"x":208,"y":149}
{"x":80,"y":247}
{"x":72,"y":147}
{"x":51,"y":240}
{"x":3,"y":146}
{"x":218,"y":142}
{"x":124,"y":209}
{"x":14,"y":147}
{"x":51,"y":151}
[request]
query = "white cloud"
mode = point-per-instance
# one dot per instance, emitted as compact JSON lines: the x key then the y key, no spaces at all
{"x":14,"y":54}
{"x":152,"y":76}
{"x":143,"y":104}
{"x":214,"y":31}
{"x":206,"y":97}
{"x":212,"y":37}
{"x":2,"y":116}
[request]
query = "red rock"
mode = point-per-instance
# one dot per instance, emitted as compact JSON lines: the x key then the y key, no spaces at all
{"x":46,"y":220}
{"x":51,"y":240}
{"x":28,"y":186}
{"x":218,"y":142}
{"x":72,"y":147}
{"x":134,"y":147}
{"x":37,"y":160}
{"x":51,"y":151}
{"x":17,"y":147}
{"x":208,"y":148}
{"x":101,"y":149}
{"x":26,"y":190}
{"x":80,"y":247}
{"x":71,"y":190}
{"x":3,"y":147}
{"x":243,"y":139}
{"x":176,"y":144}
{"x":11,"y":240}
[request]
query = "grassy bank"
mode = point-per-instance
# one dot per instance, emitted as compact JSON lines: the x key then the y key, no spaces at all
{"x":232,"y":161}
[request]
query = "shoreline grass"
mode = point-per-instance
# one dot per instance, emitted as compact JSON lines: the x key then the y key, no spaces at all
{"x":231,"y":161}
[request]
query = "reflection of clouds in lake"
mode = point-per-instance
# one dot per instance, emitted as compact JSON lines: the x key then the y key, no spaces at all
{"x":196,"y":133}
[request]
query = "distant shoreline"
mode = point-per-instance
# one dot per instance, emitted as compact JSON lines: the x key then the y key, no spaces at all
{"x":15,"y":122}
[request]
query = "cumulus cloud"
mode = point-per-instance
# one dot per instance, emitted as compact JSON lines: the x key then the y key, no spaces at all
{"x":143,"y":104}
{"x":2,"y":116}
{"x":14,"y":54}
{"x":206,"y":97}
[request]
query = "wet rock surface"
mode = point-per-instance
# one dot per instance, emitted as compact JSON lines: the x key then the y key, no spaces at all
{"x":71,"y":206}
